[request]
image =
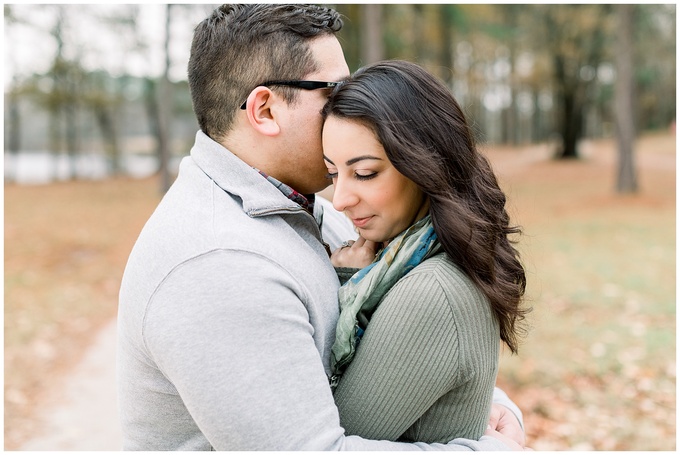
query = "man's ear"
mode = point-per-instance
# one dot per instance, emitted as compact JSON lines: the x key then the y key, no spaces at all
{"x":260,"y":108}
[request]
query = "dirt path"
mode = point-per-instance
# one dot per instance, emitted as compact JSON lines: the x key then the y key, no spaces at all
{"x":83,"y":416}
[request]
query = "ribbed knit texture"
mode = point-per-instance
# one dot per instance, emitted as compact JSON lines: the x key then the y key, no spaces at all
{"x":426,"y":367}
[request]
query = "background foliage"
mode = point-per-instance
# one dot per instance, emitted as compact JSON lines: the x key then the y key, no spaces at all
{"x":524,"y":73}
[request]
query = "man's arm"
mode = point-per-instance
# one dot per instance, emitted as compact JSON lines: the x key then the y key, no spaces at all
{"x":238,"y":347}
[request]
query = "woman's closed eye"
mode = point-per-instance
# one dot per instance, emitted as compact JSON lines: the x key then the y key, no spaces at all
{"x":365,"y":175}
{"x":359,"y":175}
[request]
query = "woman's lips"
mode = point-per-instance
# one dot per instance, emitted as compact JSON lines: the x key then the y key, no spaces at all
{"x":361,"y":222}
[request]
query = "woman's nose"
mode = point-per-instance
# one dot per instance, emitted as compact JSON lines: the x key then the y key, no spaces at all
{"x":343,"y":195}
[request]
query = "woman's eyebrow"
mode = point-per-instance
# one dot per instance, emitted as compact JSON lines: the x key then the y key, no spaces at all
{"x":355,"y":159}
{"x":361,"y":158}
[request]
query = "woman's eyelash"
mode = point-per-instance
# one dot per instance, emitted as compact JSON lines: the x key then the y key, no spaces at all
{"x":333,"y":175}
{"x":365,"y":177}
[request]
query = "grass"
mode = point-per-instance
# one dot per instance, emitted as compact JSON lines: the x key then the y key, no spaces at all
{"x":596,"y":372}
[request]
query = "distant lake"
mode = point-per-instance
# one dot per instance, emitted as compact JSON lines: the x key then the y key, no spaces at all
{"x":40,"y":167}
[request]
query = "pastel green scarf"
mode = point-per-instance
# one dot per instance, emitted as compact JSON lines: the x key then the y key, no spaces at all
{"x":361,"y":295}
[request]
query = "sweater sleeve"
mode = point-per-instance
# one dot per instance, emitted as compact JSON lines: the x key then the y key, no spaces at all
{"x":409,"y":358}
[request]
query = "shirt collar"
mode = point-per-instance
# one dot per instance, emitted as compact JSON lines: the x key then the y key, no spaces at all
{"x":306,"y":201}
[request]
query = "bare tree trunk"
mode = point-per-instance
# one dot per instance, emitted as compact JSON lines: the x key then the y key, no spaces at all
{"x":421,"y":47}
{"x":13,"y":133}
{"x":625,"y":120}
{"x":446,"y":17}
{"x":110,"y":137}
{"x":373,"y":48}
{"x":510,"y":114}
{"x":570,"y":116}
{"x":71,"y":125}
{"x":571,"y":127}
{"x":55,"y":101}
{"x":151,"y":105}
{"x":571,"y":52}
{"x":54,"y":135}
{"x":164,"y":112}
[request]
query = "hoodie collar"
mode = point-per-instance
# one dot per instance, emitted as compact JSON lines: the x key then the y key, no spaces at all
{"x":258,"y":195}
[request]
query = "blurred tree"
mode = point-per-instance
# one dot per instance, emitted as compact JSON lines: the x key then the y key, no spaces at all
{"x":67,"y":89}
{"x":61,"y":99}
{"x":104,"y":103}
{"x":654,"y":44}
{"x":510,"y":17}
{"x":626,"y":181}
{"x":421,"y":45}
{"x":373,"y":48}
{"x":500,"y":33}
{"x":350,"y":33}
{"x":164,"y":111}
{"x":521,"y":72}
{"x":398,"y":27}
{"x":151,"y":106}
{"x":448,"y":22}
{"x":105,"y":94}
{"x":574,"y":35}
{"x":485,"y":56}
{"x":13,"y":131}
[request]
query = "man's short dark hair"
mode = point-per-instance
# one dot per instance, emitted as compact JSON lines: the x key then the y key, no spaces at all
{"x":240,"y":46}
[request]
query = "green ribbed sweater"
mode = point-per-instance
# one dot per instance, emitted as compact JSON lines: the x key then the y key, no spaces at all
{"x":426,"y":366}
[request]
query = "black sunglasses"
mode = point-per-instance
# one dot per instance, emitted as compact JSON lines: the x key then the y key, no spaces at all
{"x":304,"y":85}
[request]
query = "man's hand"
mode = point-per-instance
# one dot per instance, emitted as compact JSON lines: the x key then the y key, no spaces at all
{"x":505,"y":423}
{"x":511,"y":443}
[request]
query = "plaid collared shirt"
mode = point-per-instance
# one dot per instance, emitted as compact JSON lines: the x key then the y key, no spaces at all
{"x":306,"y":201}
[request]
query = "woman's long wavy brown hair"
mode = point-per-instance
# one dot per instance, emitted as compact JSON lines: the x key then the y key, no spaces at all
{"x":427,"y":139}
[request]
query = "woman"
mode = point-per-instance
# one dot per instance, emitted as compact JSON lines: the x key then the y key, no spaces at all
{"x":446,"y":283}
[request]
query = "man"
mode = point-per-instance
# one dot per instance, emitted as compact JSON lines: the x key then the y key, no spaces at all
{"x":228,"y":303}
